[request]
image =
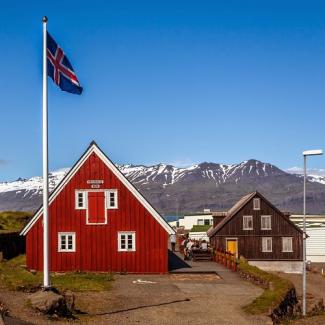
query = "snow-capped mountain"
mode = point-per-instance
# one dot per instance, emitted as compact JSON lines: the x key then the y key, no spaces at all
{"x":172,"y":189}
{"x":314,"y":175}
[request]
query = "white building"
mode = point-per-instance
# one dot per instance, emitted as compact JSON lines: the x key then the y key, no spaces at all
{"x":315,"y":244}
{"x":188,"y":221}
{"x":198,"y":219}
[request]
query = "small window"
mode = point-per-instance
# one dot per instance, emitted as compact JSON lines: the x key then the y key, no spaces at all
{"x":111,"y":199}
{"x":266,"y":223}
{"x":247,"y":222}
{"x":126,"y":241}
{"x":200,"y":222}
{"x":206,"y":222}
{"x":287,"y":244}
{"x":266,"y":244}
{"x":80,"y":200}
{"x":256,"y":204}
{"x":67,"y":242}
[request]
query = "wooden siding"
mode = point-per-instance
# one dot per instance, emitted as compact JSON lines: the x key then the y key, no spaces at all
{"x":96,"y":245}
{"x":250,"y":241}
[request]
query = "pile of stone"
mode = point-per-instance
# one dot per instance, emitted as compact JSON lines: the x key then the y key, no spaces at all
{"x":53,"y":304}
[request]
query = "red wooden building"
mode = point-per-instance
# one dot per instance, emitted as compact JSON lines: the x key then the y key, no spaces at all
{"x":99,"y":222}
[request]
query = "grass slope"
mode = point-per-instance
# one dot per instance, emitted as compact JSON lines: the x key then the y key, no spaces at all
{"x":272,"y":296}
{"x":12,"y":221}
{"x":15,"y":276}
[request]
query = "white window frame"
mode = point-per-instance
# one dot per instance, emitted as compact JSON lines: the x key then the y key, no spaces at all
{"x":248,"y":218}
{"x":119,"y":241}
{"x":291,"y":242}
{"x":200,"y":222}
{"x":266,"y":217}
{"x":66,"y":234}
{"x":108,"y":199}
{"x":264,"y":245}
{"x":84,"y":196}
{"x":257,"y":206}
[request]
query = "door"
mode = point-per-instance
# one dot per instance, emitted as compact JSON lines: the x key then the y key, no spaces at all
{"x":232,"y":246}
{"x":96,"y":208}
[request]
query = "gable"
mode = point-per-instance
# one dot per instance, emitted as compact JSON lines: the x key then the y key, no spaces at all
{"x":93,"y":169}
{"x":233,"y":222}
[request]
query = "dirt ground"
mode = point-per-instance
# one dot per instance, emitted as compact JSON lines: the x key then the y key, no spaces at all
{"x":315,"y":292}
{"x":315,"y":287}
{"x":157,"y":299}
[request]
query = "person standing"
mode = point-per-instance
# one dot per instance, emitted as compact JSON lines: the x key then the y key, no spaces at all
{"x":173,"y":241}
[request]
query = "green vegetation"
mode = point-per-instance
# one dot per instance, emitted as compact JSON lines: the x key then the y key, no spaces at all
{"x":12,"y":221}
{"x":15,"y":276}
{"x":199,"y":228}
{"x":272,"y":296}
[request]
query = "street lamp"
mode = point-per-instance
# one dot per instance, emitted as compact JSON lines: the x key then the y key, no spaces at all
{"x":305,"y":154}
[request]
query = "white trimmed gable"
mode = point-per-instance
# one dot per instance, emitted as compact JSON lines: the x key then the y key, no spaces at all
{"x":93,"y":148}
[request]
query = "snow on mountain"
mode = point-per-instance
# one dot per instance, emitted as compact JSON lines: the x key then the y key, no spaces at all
{"x":160,"y":173}
{"x":313,"y":175}
{"x":170,"y":188}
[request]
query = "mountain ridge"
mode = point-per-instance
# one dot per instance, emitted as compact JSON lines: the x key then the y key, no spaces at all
{"x":173,"y":189}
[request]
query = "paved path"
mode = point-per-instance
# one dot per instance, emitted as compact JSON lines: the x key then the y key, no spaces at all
{"x":185,"y":296}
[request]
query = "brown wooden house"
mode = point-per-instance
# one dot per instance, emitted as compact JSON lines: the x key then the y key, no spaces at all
{"x":255,"y":229}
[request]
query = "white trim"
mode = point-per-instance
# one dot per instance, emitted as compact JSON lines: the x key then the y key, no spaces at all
{"x":107,"y":199}
{"x":66,"y":234}
{"x":257,"y":199}
{"x":84,"y":198}
{"x":233,"y":238}
{"x":245,"y":217}
{"x":264,"y":216}
{"x":289,"y":251}
{"x":267,"y":238}
{"x":126,"y":233}
{"x":94,"y":148}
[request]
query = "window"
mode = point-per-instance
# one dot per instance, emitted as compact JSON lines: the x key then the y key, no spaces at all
{"x":256,"y":204}
{"x":67,"y":242}
{"x":207,"y":222}
{"x":247,"y":222}
{"x":266,"y":244}
{"x":265,"y":222}
{"x":111,"y":199}
{"x":200,"y":222}
{"x":80,"y":200}
{"x":287,"y":244}
{"x":126,"y":241}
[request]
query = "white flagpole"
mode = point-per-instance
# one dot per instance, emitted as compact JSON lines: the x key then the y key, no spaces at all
{"x":46,"y":274}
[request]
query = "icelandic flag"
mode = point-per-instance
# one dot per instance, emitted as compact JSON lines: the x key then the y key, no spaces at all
{"x":60,"y":69}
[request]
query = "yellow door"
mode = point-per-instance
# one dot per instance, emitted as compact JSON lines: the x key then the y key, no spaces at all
{"x":232,"y":246}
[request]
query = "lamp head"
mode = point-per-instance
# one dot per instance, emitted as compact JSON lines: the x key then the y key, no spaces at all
{"x":312,"y":152}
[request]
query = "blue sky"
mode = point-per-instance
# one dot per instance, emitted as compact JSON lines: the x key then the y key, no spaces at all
{"x":166,"y":81}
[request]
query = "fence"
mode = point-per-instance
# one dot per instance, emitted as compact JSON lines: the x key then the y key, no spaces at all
{"x":12,"y":245}
{"x":228,"y":259}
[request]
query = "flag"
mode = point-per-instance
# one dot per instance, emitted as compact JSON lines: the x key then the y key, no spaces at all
{"x":60,"y":69}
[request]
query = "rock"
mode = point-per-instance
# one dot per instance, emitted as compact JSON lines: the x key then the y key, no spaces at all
{"x":69,"y":299}
{"x":49,"y":303}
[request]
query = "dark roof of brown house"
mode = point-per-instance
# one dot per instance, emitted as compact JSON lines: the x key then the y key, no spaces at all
{"x":239,"y":205}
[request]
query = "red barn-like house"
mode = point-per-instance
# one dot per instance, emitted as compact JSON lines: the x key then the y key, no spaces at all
{"x":99,"y":222}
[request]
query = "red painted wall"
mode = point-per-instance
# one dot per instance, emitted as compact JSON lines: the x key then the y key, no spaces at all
{"x":96,"y":245}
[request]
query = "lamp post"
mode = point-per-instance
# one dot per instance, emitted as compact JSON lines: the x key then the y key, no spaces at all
{"x":305,"y":154}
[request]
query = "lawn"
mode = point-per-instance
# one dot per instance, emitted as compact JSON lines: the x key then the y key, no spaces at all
{"x":13,"y":221}
{"x":15,"y":276}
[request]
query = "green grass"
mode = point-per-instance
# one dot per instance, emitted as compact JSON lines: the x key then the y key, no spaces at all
{"x":13,"y":221}
{"x":272,"y":296}
{"x":14,"y":276}
{"x":199,"y":228}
